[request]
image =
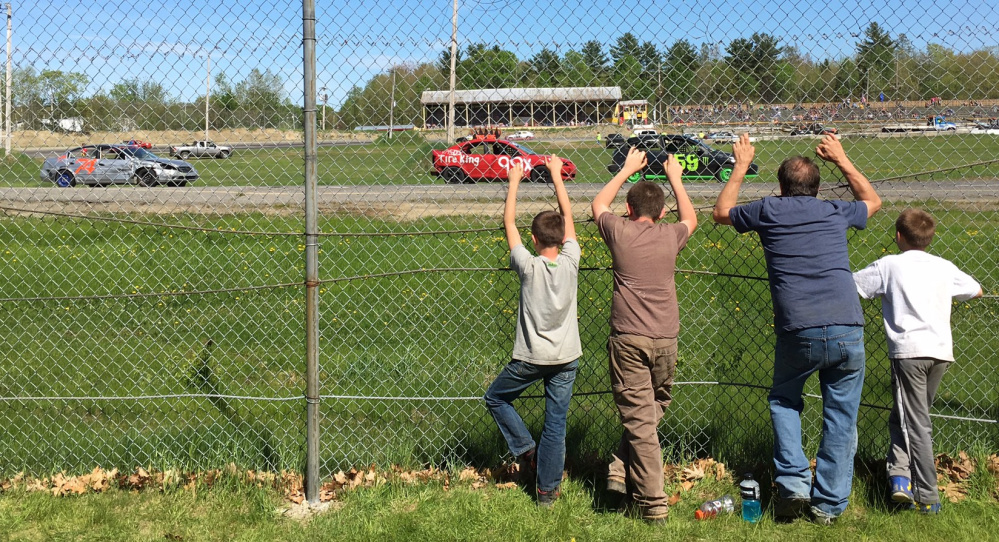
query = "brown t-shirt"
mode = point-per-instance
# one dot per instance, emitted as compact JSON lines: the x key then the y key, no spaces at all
{"x":644,"y":301}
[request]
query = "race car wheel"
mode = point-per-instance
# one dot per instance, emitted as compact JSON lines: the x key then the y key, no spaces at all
{"x":541,"y":174}
{"x":452,"y":175}
{"x":144,"y":178}
{"x":724,"y":174}
{"x":65,"y":179}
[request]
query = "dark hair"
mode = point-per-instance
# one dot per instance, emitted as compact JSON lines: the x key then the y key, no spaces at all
{"x":916,"y":227}
{"x":548,"y":228}
{"x":647,"y":199}
{"x":798,"y":176}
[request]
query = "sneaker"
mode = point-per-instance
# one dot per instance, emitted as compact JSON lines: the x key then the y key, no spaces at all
{"x":901,"y":489}
{"x":821,"y":518}
{"x":655,"y":514}
{"x":790,"y":509}
{"x":547,"y":498}
{"x":929,"y":509}
{"x":615,"y":484}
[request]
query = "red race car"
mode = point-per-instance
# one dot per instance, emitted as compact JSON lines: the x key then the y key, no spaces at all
{"x":138,"y":143}
{"x":488,"y":158}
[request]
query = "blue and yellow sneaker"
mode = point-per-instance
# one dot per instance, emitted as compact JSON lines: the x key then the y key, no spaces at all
{"x":901,"y":489}
{"x":929,"y":509}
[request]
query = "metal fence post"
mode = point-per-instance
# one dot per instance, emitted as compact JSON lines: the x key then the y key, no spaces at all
{"x":311,"y":256}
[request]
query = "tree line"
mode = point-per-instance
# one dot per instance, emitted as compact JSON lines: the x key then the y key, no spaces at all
{"x":756,"y":70}
{"x":39,"y":99}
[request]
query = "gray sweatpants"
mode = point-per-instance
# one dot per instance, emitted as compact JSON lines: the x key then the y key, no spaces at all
{"x":914,"y":383}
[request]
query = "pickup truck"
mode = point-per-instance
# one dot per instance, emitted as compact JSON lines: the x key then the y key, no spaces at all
{"x":201,"y":149}
{"x":933,"y":124}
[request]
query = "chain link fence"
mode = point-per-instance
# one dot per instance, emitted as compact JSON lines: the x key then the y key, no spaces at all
{"x":153,"y":295}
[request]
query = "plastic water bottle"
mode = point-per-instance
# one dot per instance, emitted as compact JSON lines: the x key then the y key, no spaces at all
{"x":749,"y":490}
{"x":711,"y":509}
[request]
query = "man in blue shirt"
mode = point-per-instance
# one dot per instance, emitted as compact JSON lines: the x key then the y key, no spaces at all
{"x":817,"y":318}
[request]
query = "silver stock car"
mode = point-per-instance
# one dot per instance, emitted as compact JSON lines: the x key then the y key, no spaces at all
{"x":101,"y":165}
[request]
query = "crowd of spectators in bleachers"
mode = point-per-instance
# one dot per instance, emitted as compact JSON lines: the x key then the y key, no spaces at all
{"x":846,"y":110}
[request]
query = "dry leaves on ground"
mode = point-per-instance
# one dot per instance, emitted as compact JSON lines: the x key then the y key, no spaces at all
{"x":955,"y":468}
{"x":698,"y":470}
{"x":993,"y":464}
{"x":952,"y":472}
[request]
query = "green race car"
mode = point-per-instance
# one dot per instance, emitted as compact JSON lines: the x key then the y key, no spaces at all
{"x":699,"y":161}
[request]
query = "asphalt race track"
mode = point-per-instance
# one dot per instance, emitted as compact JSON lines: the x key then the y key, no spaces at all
{"x":255,"y":198}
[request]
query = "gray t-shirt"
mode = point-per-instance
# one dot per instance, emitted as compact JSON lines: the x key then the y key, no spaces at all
{"x":547,"y":330}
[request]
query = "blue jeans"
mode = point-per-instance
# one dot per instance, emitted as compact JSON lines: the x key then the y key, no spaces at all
{"x":511,"y":382}
{"x":836,"y":353}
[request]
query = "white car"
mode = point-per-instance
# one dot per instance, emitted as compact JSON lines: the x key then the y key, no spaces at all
{"x":644,"y":132}
{"x":522,"y":135}
{"x":725,"y":137}
{"x":992,"y":128}
{"x":722,"y":137}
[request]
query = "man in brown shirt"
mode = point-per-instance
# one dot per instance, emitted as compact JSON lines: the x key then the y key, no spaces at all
{"x":645,"y":322}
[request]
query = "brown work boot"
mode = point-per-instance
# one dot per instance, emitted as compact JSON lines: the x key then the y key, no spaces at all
{"x":655,"y":514}
{"x":616,"y":484}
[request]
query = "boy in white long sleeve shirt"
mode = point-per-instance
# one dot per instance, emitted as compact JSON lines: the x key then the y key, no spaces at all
{"x":916,"y":290}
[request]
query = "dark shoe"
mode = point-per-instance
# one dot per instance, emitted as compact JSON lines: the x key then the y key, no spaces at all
{"x":615,"y":484}
{"x":655,"y":514}
{"x":901,"y":489}
{"x":790,"y":509}
{"x":930,"y":509}
{"x":528,"y":465}
{"x":547,"y":498}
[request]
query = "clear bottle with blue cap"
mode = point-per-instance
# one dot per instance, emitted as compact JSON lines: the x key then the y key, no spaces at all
{"x":749,"y":490}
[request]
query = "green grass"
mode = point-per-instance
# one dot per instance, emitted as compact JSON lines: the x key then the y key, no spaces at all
{"x":400,"y":511}
{"x":408,"y":161}
{"x":420,"y":335}
{"x":415,"y":334}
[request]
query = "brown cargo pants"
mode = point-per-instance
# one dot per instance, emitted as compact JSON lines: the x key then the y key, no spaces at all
{"x":641,"y":371}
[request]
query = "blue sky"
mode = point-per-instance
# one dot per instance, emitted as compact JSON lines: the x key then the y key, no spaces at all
{"x":167,"y":42}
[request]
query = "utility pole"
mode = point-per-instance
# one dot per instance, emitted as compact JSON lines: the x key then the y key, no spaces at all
{"x":454,"y":56}
{"x":392,"y":107}
{"x":208,"y":88}
{"x":324,"y":97}
{"x":659,"y":91}
{"x":10,"y":80}
{"x":898,"y":91}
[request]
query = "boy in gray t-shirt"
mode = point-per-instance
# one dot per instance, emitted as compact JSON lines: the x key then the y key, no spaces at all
{"x":916,"y":290}
{"x":547,"y":345}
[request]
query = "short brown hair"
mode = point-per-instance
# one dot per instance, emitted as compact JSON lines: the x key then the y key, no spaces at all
{"x":548,"y":228}
{"x":647,"y":199}
{"x":798,"y":176}
{"x":916,"y":227}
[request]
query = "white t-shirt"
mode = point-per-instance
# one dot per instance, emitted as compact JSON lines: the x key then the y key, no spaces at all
{"x":547,"y":330}
{"x":916,"y":289}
